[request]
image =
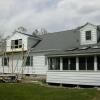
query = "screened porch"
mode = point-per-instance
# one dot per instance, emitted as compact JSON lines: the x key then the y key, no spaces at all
{"x":78,"y":63}
{"x":80,"y":70}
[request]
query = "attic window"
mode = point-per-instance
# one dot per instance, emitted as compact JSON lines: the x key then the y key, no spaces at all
{"x":16,"y":43}
{"x":88,"y":35}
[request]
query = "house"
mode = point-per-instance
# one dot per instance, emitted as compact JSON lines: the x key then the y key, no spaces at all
{"x":17,"y":56}
{"x":78,"y":61}
{"x":66,"y":57}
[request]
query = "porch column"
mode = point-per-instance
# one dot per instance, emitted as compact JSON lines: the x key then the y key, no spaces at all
{"x":77,"y":63}
{"x":95,"y":63}
{"x":61,"y":63}
{"x":48,"y":64}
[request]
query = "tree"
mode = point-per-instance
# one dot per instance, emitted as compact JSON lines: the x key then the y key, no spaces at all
{"x":35,"y":32}
{"x":43,"y":31}
{"x":21,"y":29}
{"x":1,"y":37}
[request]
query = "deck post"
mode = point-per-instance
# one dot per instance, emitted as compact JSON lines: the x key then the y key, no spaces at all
{"x":95,"y":63}
{"x":77,"y":63}
{"x":61,"y":64}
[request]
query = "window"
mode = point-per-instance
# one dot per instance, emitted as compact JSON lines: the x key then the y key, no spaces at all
{"x":98,"y":62}
{"x":65,"y":63}
{"x":5,"y":61}
{"x":73,"y":63}
{"x":54,"y":63}
{"x":29,"y":61}
{"x":82,"y":63}
{"x":90,"y":63}
{"x":16,"y":43}
{"x":88,"y":35}
{"x":69,"y":63}
{"x":86,"y":63}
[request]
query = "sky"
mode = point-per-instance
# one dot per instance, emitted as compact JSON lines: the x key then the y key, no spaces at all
{"x":53,"y":15}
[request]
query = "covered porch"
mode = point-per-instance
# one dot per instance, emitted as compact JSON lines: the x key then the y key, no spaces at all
{"x":81,"y":70}
{"x":74,"y":63}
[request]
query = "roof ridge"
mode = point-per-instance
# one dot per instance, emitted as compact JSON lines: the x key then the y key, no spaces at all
{"x":30,"y":35}
{"x":60,"y":32}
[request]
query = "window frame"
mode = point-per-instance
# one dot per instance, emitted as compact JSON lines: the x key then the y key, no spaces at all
{"x":98,"y":62}
{"x":87,"y":65}
{"x":5,"y":61}
{"x":54,"y":63}
{"x":15,"y":44}
{"x":69,"y":63}
{"x":29,"y":61}
{"x":88,"y":35}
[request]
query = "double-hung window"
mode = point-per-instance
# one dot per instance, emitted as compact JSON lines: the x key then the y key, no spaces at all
{"x":29,"y":61}
{"x":88,"y":35}
{"x":5,"y":61}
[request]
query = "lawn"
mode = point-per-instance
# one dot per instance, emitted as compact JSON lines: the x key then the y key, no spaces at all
{"x":37,"y":92}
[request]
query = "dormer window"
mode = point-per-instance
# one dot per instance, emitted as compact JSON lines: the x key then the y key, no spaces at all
{"x":88,"y":35}
{"x":16,"y":43}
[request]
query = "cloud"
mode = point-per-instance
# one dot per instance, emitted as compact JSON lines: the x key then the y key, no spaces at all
{"x":54,"y":15}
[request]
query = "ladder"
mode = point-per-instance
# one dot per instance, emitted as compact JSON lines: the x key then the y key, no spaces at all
{"x":24,"y":61}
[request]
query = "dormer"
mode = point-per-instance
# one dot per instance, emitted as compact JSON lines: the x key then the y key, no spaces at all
{"x":88,"y":34}
{"x":20,"y":41}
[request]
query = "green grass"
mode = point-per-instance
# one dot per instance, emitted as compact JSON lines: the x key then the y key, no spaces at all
{"x":37,"y":92}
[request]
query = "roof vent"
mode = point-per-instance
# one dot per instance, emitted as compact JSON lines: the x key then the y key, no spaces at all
{"x":83,"y":48}
{"x":96,"y":47}
{"x":71,"y":49}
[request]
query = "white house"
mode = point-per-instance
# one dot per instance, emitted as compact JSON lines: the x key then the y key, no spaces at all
{"x":79,"y":64}
{"x":66,"y":57}
{"x":18,"y":57}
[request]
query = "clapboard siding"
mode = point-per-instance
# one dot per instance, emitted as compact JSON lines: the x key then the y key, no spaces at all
{"x":39,"y":65}
{"x":80,"y":78}
{"x":91,"y":28}
{"x":14,"y":37}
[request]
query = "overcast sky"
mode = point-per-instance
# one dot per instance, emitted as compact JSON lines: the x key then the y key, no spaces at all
{"x":54,"y":15}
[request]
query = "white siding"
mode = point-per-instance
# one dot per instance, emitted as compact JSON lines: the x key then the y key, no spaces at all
{"x":39,"y":65}
{"x":14,"y":65}
{"x":91,"y":28}
{"x":14,"y":37}
{"x":1,"y":68}
{"x":79,"y":78}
